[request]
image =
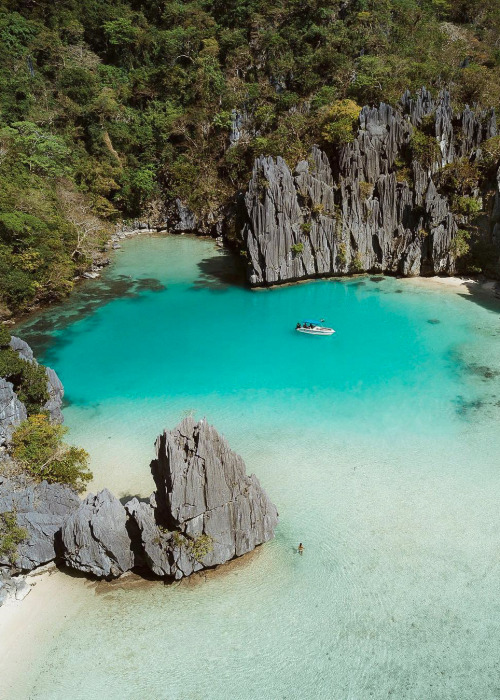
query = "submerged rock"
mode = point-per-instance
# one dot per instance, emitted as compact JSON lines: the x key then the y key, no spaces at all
{"x":95,"y":539}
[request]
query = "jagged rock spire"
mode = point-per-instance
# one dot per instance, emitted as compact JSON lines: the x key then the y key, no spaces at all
{"x":205,"y":511}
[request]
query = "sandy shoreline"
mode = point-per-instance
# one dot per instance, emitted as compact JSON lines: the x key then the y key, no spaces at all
{"x":460,"y":285}
{"x":33,"y":623}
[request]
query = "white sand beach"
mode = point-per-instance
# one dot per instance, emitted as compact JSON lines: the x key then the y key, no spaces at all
{"x":460,"y":285}
{"x":35,"y":621}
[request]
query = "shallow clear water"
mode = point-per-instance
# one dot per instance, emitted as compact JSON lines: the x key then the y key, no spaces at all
{"x":380,"y":446}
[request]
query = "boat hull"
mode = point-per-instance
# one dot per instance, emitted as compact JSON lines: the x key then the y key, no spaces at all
{"x":316,"y":331}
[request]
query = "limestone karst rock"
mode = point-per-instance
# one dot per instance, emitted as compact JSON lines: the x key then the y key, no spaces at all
{"x":56,"y":393}
{"x":95,"y":539}
{"x":186,"y":221}
{"x":12,"y":411}
{"x":202,"y":490}
{"x":12,"y":587}
{"x":203,"y":495}
{"x":205,"y":511}
{"x":153,"y":545}
{"x":372,"y":209}
{"x":41,"y":509}
{"x":54,"y":386}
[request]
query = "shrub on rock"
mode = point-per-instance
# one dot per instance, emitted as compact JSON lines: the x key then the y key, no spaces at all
{"x":38,"y":446}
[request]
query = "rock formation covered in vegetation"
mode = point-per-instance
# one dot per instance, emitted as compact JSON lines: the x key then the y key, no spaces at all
{"x":120,"y":110}
{"x":25,"y":386}
{"x":379,"y":203}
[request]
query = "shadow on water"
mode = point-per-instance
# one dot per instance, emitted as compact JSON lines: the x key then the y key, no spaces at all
{"x":484,"y":298}
{"x":357,"y":284}
{"x":220,"y":271}
{"x":72,"y":400}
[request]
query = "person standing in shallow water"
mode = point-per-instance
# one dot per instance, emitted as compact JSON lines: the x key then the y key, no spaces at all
{"x":300,"y":548}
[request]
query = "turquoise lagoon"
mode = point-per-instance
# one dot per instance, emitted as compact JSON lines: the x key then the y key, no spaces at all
{"x":380,"y":446}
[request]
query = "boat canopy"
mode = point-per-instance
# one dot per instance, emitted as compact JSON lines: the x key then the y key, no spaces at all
{"x":316,"y":323}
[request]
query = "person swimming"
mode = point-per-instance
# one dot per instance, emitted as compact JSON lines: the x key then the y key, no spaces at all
{"x":300,"y":548}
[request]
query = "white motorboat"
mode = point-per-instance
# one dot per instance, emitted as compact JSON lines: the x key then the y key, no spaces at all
{"x":314,"y":328}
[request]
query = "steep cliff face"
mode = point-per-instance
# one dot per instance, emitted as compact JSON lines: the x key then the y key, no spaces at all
{"x":205,"y":511}
{"x":55,"y":388}
{"x":204,"y":492}
{"x":374,"y":207}
{"x":12,"y":411}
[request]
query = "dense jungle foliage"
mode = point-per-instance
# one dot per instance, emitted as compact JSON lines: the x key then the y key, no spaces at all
{"x":108,"y":108}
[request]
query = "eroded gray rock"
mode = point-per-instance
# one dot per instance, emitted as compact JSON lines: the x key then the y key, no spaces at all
{"x":12,"y":411}
{"x":205,"y":511}
{"x":375,"y":213}
{"x":12,"y":587}
{"x":154,"y":543}
{"x":95,"y":538}
{"x":203,"y":490}
{"x":56,"y":394}
{"x":187,"y":221}
{"x":54,"y":385}
{"x":42,"y":510}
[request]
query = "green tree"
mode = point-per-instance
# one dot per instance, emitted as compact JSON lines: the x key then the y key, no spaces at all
{"x":425,"y":148}
{"x":43,"y":152}
{"x":28,"y":378}
{"x":339,"y":122}
{"x":38,"y":446}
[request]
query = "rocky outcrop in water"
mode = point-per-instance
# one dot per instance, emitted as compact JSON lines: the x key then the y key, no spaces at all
{"x":14,"y":414}
{"x":374,"y":207}
{"x":204,"y":512}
